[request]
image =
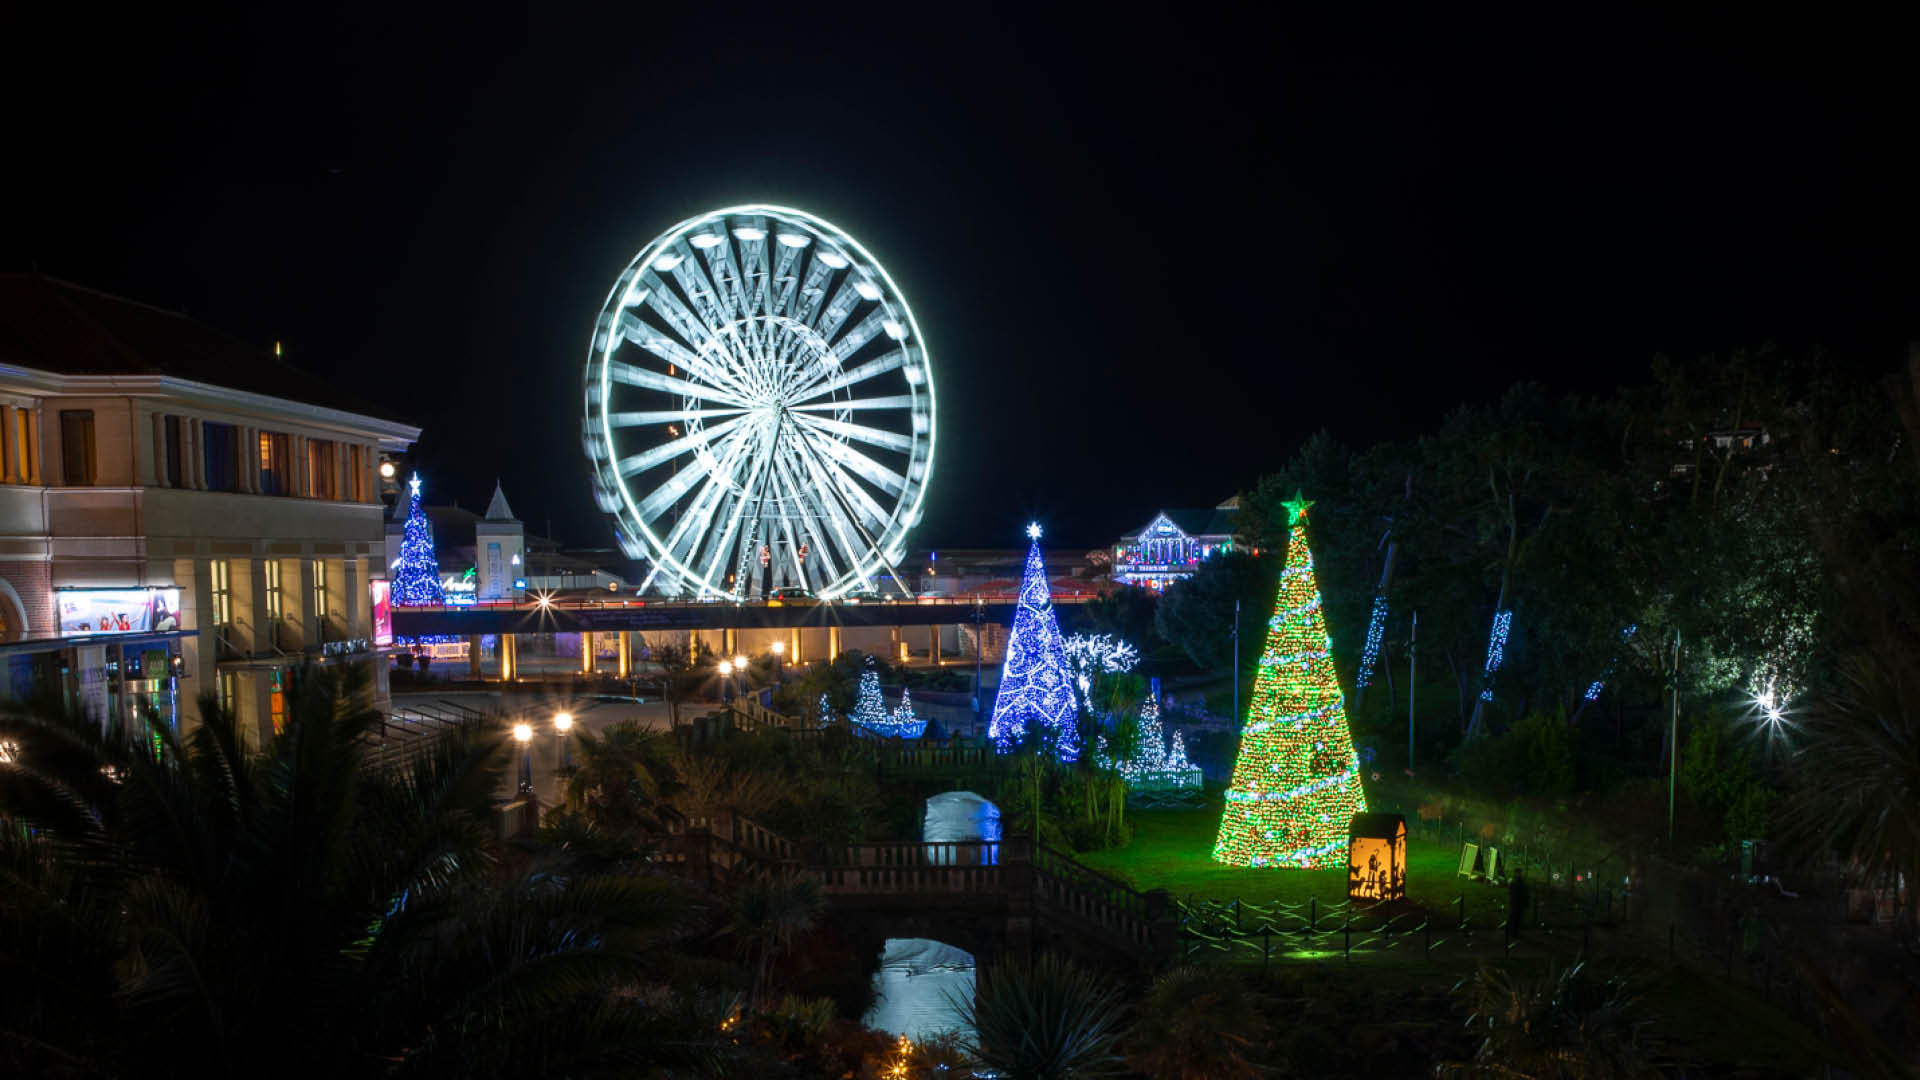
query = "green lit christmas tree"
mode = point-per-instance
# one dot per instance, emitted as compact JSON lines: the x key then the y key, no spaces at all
{"x":1296,"y":782}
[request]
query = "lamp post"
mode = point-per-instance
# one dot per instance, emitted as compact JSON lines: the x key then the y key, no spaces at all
{"x":979,"y":628}
{"x":523,"y":734}
{"x":562,"y":724}
{"x":725,"y":668}
{"x":1236,"y":661}
{"x":779,"y":650}
{"x":739,"y":676}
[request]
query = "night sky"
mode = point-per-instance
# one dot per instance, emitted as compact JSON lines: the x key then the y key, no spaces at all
{"x":1150,"y":253}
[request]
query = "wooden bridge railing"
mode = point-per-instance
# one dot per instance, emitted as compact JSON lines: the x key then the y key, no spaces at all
{"x":1014,"y":872}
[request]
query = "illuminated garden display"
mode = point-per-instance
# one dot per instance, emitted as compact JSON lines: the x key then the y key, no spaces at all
{"x":1296,"y":782}
{"x":1377,"y":857}
{"x":759,"y":409}
{"x":1036,"y":682}
{"x":1159,"y":762}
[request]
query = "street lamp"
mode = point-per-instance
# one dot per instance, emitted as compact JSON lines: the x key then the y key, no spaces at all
{"x":739,"y":676}
{"x":563,"y":723}
{"x":523,"y":734}
{"x":779,"y":650}
{"x":725,"y":668}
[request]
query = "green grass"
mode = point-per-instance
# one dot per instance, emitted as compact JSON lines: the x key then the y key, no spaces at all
{"x":1173,"y":850}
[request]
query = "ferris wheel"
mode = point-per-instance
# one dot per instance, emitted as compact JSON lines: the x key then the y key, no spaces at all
{"x":759,"y":409}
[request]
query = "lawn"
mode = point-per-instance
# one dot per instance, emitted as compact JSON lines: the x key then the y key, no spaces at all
{"x":1173,"y":850}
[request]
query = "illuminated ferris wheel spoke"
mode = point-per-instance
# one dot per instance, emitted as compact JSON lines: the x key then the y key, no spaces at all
{"x":759,"y":392}
{"x":669,"y":416}
{"x":896,"y":401}
{"x":647,"y":459}
{"x":655,"y":505}
{"x":865,"y":467}
{"x":892,"y":440}
{"x":819,"y":381}
{"x":641,"y":378}
{"x":836,"y":312}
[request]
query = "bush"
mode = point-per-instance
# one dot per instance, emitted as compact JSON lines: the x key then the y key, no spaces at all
{"x":1534,"y":757}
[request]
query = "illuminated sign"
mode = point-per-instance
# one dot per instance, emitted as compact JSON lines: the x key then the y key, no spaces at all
{"x":117,"y":611}
{"x":381,"y":591}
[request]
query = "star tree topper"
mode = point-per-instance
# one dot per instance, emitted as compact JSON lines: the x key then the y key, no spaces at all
{"x":1297,"y":507}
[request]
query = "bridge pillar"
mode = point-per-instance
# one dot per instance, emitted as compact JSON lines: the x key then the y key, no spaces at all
{"x":933,"y":644}
{"x":729,"y":642}
{"x":793,"y":645}
{"x":899,"y":648}
{"x":509,"y":659}
{"x":833,"y":642}
{"x":586,"y":652}
{"x":626,"y":653}
{"x":473,"y":657}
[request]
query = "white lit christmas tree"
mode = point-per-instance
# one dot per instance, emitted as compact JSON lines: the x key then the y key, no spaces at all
{"x":1158,"y":763}
{"x":900,"y":723}
{"x":416,"y":569}
{"x":1036,"y":683}
{"x":826,"y":710}
{"x":868,"y":710}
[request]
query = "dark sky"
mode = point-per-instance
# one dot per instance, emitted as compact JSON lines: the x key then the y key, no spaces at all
{"x":1150,"y":253}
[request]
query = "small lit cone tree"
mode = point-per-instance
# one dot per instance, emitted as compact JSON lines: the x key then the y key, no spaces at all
{"x":903,"y":713}
{"x":1036,"y":682}
{"x":826,"y":710}
{"x":1296,"y":782}
{"x":868,"y":710}
{"x":1156,"y":762}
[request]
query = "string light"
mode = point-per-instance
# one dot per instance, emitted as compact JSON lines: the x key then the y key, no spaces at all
{"x":1089,"y":654}
{"x":416,"y":570}
{"x":1370,"y":654}
{"x":1036,"y":684}
{"x":1496,"y":649}
{"x":1157,"y":764}
{"x":1599,"y":684}
{"x":1296,"y":782}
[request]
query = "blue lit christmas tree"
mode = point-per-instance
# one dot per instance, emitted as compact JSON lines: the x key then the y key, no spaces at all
{"x":1036,"y":683}
{"x":416,"y":569}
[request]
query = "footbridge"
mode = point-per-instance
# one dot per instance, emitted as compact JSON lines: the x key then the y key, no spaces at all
{"x":992,"y":898}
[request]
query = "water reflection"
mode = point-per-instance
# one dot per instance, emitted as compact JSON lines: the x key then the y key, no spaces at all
{"x":918,"y":986}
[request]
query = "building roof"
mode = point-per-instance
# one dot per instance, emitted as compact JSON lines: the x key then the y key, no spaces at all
{"x":1200,"y":521}
{"x":53,"y":325}
{"x":498,"y":510}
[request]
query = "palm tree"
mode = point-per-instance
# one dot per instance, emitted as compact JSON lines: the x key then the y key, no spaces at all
{"x":1857,"y":771}
{"x":1197,"y":1024}
{"x":200,"y":912}
{"x":768,"y":913}
{"x":614,"y":784}
{"x":1044,"y":1019}
{"x":1569,"y":1025}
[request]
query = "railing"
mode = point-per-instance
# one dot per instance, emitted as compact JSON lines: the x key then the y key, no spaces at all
{"x":911,"y":758}
{"x":941,"y":867}
{"x":1092,"y":897}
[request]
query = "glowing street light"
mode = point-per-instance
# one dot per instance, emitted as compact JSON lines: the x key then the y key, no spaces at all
{"x":523,"y":734}
{"x":563,"y":723}
{"x":779,"y":651}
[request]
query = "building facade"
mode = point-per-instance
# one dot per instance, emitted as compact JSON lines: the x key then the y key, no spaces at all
{"x":169,"y":525}
{"x":1171,"y":546}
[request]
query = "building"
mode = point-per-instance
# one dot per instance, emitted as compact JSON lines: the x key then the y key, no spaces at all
{"x":491,"y":558}
{"x":1169,"y":548}
{"x":180,"y":513}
